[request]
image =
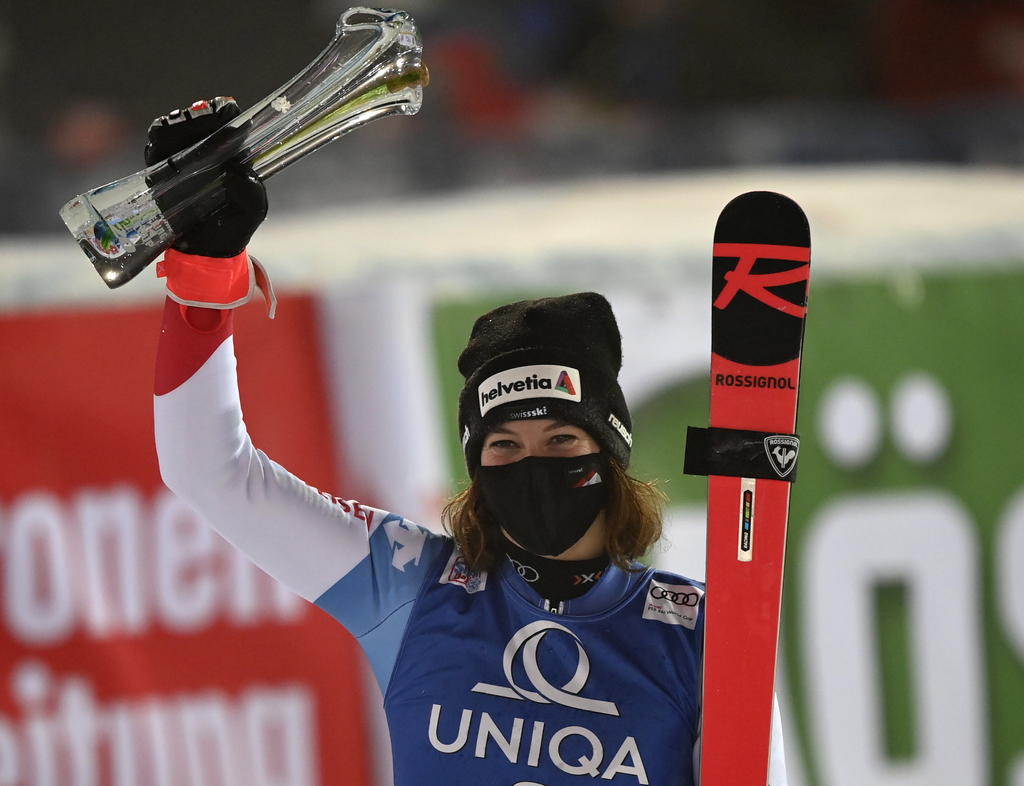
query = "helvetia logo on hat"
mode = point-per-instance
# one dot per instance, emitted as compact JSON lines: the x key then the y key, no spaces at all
{"x":515,"y":384}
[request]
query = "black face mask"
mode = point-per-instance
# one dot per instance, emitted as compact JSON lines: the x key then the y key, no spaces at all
{"x":546,"y":504}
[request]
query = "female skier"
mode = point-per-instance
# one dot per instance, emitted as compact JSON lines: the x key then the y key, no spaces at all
{"x":528,"y":648}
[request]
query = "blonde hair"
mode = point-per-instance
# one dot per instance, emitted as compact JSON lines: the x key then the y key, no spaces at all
{"x":633,"y":522}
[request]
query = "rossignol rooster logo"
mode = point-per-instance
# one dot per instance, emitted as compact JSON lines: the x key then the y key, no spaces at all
{"x":783,"y":457}
{"x":782,"y":452}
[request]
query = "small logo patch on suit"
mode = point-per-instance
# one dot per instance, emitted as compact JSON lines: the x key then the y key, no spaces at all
{"x":673,"y":604}
{"x":458,"y":572}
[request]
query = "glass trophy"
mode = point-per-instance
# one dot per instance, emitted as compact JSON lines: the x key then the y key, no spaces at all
{"x":372,"y":68}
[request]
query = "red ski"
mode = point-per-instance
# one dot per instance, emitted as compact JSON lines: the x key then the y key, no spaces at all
{"x":759,"y":300}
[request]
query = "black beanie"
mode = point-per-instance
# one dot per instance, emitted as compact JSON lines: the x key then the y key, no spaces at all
{"x":556,"y":357}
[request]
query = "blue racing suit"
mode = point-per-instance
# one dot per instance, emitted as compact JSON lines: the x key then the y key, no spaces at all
{"x":484,"y":682}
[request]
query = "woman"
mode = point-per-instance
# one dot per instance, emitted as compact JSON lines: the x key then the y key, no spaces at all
{"x":530,"y":647}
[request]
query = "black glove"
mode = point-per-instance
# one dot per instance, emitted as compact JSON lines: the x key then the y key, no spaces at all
{"x":226,"y":230}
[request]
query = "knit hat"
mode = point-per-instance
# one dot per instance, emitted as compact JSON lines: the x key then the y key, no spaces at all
{"x":556,"y":357}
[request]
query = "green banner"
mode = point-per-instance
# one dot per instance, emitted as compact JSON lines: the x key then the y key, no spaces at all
{"x":903,"y":613}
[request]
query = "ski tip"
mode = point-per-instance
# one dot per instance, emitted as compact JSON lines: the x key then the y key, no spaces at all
{"x":763,"y":217}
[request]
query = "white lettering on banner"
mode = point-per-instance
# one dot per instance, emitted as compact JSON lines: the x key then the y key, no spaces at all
{"x":37,"y":580}
{"x":1009,"y":554}
{"x":8,"y":754}
{"x":138,"y":565}
{"x":930,"y":549}
{"x":625,"y":761}
{"x":109,"y":541}
{"x":286,"y":715}
{"x":125,"y":766}
{"x":207,"y":744}
{"x":265,"y":737}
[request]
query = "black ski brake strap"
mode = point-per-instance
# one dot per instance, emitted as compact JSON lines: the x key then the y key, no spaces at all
{"x":742,"y":454}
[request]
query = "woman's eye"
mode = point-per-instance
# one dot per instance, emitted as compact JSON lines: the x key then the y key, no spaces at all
{"x":563,"y":439}
{"x":502,"y":444}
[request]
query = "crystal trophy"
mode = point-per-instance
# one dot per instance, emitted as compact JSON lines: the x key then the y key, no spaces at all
{"x":372,"y":68}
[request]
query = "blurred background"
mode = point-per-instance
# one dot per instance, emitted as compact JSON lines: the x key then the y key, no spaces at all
{"x":527,"y":92}
{"x":562,"y":145}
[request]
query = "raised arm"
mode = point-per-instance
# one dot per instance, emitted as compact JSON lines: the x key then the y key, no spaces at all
{"x":303,"y":538}
{"x":362,"y":564}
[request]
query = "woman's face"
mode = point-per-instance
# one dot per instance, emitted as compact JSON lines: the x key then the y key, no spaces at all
{"x":546,"y":437}
{"x":549,"y":438}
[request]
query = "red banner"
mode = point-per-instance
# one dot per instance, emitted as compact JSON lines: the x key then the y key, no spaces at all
{"x":136,"y":646}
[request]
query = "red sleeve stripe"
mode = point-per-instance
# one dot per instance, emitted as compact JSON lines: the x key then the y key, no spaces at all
{"x":188,"y":336}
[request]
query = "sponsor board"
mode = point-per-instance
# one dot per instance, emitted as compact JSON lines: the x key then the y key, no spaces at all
{"x":129,"y":626}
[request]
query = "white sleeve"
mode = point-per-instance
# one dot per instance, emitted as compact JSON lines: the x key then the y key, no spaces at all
{"x":305,"y":539}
